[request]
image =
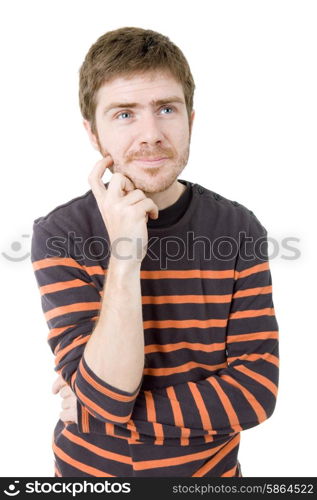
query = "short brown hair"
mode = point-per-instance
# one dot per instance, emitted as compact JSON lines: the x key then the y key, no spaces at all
{"x":130,"y":51}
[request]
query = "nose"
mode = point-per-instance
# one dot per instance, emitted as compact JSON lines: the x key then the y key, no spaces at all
{"x":150,"y":129}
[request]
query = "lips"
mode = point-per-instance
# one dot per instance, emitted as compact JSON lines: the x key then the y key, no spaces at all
{"x":151,"y":163}
{"x":151,"y":159}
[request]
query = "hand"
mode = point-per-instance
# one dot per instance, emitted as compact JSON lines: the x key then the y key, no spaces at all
{"x":124,"y":210}
{"x":69,"y":402}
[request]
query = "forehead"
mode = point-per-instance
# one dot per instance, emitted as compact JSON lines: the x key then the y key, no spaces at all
{"x":140,"y":87}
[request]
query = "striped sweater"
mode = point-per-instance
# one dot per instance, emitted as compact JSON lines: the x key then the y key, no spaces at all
{"x":210,"y":332}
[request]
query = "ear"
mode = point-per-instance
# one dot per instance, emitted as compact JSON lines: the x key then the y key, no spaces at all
{"x":92,"y":137}
{"x":192,"y":116}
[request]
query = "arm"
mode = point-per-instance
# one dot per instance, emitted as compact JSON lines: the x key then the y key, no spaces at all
{"x":72,"y":305}
{"x":235,"y":398}
{"x":102,"y":361}
{"x":114,"y":354}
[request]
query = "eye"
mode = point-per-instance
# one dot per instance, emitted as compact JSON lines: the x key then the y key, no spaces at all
{"x":168,"y":107}
{"x":122,"y":113}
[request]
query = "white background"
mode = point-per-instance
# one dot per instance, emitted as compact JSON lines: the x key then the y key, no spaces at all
{"x":254,"y":141}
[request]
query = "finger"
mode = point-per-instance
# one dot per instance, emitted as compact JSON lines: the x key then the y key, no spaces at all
{"x":67,"y":416}
{"x":133,"y":197}
{"x":66,"y":392}
{"x":95,"y":176}
{"x":119,"y":186}
{"x":58,"y":384}
{"x":68,"y":403}
{"x":147,"y":206}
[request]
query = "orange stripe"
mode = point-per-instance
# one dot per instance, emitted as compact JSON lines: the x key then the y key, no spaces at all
{"x":72,"y":379}
{"x":177,"y":412}
{"x":92,"y":471}
{"x":101,"y":388}
{"x":85,"y":419}
{"x":258,"y":409}
{"x":185,"y":432}
{"x":78,"y":306}
{"x":253,"y":291}
{"x":191,"y":365}
{"x":54,"y":332}
{"x":109,"y":455}
{"x":185,"y":299}
{"x":167,"y":462}
{"x":201,"y":407}
{"x":69,"y":262}
{"x":55,"y":261}
{"x":187,"y":274}
{"x":178,"y":416}
{"x":254,"y":357}
{"x":78,"y":341}
{"x":273,"y":334}
{"x":252,"y":270}
{"x":185,"y":323}
{"x":251,"y":313}
{"x":230,"y":473}
{"x":151,"y":417}
{"x":64,"y":285}
{"x":226,"y":403}
{"x":109,"y":428}
{"x":259,"y":378}
{"x":110,"y":431}
{"x":192,"y":346}
{"x":226,"y":449}
{"x":135,"y":436}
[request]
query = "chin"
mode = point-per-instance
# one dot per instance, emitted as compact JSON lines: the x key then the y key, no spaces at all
{"x":153,"y":186}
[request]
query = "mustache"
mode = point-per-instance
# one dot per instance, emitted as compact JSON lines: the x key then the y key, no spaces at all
{"x":158,"y":153}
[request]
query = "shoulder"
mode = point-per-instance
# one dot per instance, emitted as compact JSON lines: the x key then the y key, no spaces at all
{"x":233,"y":212}
{"x":67,"y":228}
{"x":74,"y":214}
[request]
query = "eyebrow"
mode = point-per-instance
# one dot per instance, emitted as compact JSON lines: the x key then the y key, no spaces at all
{"x":156,"y":102}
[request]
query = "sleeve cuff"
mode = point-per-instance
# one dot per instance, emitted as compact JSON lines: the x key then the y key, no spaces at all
{"x":102,"y":400}
{"x":86,"y":423}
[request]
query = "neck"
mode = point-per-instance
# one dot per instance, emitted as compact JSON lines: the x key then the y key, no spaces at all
{"x":166,"y":198}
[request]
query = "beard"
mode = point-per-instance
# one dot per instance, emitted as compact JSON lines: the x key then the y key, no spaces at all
{"x":154,"y":179}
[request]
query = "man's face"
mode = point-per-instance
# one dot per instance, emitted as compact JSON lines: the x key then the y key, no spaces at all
{"x":131,"y":134}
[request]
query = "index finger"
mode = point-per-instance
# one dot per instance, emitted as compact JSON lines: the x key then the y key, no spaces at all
{"x":95,"y":176}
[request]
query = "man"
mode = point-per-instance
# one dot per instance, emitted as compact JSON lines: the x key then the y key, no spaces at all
{"x":157,"y":291}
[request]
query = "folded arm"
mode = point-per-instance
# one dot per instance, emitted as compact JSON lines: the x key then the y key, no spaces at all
{"x":72,"y":305}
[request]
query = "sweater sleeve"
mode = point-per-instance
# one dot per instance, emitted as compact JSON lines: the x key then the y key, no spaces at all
{"x":71,"y":304}
{"x":244,"y":393}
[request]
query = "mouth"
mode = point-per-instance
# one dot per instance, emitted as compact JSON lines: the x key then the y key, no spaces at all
{"x":151,"y":161}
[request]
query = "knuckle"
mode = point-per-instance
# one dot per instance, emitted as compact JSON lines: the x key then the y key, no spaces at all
{"x":140,"y":192}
